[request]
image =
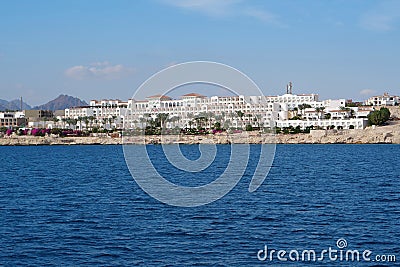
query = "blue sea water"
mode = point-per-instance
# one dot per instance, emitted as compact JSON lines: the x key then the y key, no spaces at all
{"x":79,"y":206}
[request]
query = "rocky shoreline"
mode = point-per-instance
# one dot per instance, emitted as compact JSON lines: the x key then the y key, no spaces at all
{"x":389,"y":134}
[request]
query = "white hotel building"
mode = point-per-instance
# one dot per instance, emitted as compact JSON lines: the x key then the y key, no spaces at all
{"x":259,"y":111}
{"x":256,"y":109}
{"x":109,"y":113}
{"x":383,"y":100}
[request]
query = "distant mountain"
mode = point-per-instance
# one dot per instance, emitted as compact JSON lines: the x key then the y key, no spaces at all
{"x":13,"y":105}
{"x":62,"y":102}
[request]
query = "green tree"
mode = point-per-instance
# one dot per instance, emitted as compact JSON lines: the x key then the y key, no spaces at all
{"x":385,"y":113}
{"x":217,"y":125}
{"x":378,"y":117}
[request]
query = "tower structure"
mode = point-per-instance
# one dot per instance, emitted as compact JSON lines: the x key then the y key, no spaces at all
{"x":289,"y":87}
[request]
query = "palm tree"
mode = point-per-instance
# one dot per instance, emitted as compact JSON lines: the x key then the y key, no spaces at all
{"x":104,"y":122}
{"x":110,"y":119}
{"x":114,"y":118}
{"x":147,"y":117}
{"x":257,"y":119}
{"x":80,"y":119}
{"x":178,"y":119}
{"x":301,"y":108}
{"x":134,"y":123}
{"x":218,"y":118}
{"x":318,"y":110}
{"x":198,"y":121}
{"x":200,"y":118}
{"x":249,"y":116}
{"x":55,"y":120}
{"x":240,"y":115}
{"x":322,"y":111}
{"x":173,"y":120}
{"x":64,"y":120}
{"x":86,"y":120}
{"x":91,"y":119}
{"x":190,"y":117}
{"x":162,"y":117}
{"x":222,"y":117}
{"x":209,"y":116}
{"x":347,"y":109}
{"x":142,"y":120}
{"x":44,"y":119}
{"x":73,"y":122}
{"x":227,"y":124}
{"x":352,"y":113}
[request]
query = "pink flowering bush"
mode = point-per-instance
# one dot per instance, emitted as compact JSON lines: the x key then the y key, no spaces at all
{"x":36,"y":132}
{"x":214,"y":131}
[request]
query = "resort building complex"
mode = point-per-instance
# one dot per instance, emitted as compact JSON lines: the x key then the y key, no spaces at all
{"x":289,"y":110}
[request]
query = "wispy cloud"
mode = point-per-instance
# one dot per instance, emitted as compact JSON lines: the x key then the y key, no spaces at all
{"x":263,"y":15}
{"x":367,"y":92}
{"x":227,"y":8}
{"x":378,"y":22}
{"x":208,"y":7}
{"x":384,"y":17}
{"x":103,"y":70}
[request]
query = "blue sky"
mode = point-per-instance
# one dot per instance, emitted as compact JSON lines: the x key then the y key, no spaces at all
{"x":106,"y":49}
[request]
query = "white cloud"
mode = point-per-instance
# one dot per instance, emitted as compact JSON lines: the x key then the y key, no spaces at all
{"x":97,"y":70}
{"x":209,"y":7}
{"x":384,"y":16}
{"x":263,"y":15}
{"x":226,"y":8}
{"x":378,"y":22}
{"x":367,"y":92}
